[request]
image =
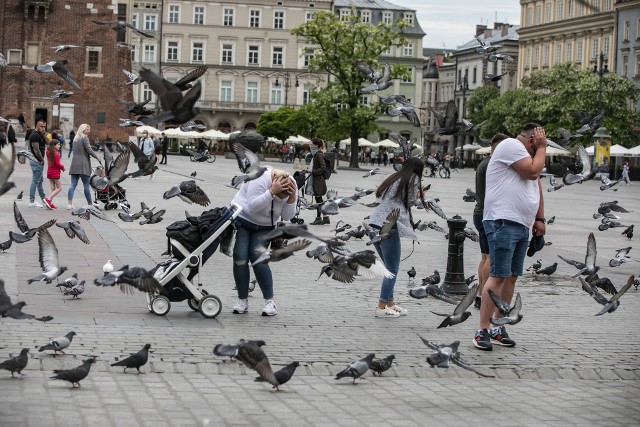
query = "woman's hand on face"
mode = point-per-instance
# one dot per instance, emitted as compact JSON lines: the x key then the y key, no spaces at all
{"x":277,"y":186}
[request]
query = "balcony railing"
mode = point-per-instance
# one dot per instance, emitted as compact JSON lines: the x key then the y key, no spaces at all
{"x":252,"y":107}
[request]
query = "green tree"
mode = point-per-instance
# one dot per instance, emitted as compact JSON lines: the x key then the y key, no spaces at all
{"x":337,"y":107}
{"x":274,"y":123}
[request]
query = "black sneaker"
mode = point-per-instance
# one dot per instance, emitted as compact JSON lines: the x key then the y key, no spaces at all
{"x":500,"y":337}
{"x":482,"y":340}
{"x":477,"y":302}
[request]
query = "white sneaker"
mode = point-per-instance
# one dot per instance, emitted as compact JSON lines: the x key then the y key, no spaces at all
{"x":242,"y":306}
{"x":70,"y":207}
{"x":35,"y":204}
{"x":398,"y":309}
{"x":386,"y":312}
{"x":269,"y":308}
{"x":96,"y":205}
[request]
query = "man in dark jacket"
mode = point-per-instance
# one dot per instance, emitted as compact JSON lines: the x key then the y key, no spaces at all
{"x":37,"y":146}
{"x":165,"y":147}
{"x":316,"y":184}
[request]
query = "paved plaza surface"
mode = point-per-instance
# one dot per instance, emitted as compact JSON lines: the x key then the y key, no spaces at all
{"x":568,"y":368}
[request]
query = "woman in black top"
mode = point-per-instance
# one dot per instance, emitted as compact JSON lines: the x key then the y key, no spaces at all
{"x":316,"y":185}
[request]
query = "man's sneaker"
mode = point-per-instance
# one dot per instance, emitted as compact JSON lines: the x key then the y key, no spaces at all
{"x":269,"y":308}
{"x":35,"y":204}
{"x":499,"y":336}
{"x":386,"y":312}
{"x":398,"y":309}
{"x":482,"y":340}
{"x":242,"y":306}
{"x":477,"y":302}
{"x":47,"y":203}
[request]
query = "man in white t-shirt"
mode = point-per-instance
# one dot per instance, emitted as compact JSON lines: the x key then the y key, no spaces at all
{"x":512,"y":203}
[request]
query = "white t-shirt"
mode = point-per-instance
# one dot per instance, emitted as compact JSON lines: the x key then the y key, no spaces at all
{"x":508,"y":195}
{"x":256,"y":202}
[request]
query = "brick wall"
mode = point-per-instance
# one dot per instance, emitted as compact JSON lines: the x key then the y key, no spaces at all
{"x":67,"y":22}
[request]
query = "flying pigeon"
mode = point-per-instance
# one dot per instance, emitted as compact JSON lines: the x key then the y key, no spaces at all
{"x":357,"y":368}
{"x":121,"y":26}
{"x":136,"y":360}
{"x":59,"y":344}
{"x":486,"y":47}
{"x":495,"y":77}
{"x":588,"y":267}
{"x":621,"y":256}
{"x":249,"y":164}
{"x":607,"y":183}
{"x":460,"y":313}
{"x":251,"y":354}
{"x":130,"y":278}
{"x":567,"y":136}
{"x":176,"y":108}
{"x":589,"y":123}
{"x":14,"y":311}
{"x":48,"y":256}
{"x":377,"y":235}
{"x":88,"y":211}
{"x":555,"y":186}
{"x":16,"y":364}
{"x":189,"y":192}
{"x":609,"y":305}
{"x":448,"y":353}
{"x":137,"y":109}
{"x":511,"y":315}
{"x":74,"y":229}
{"x":500,"y":57}
{"x":378,"y":366}
{"x":75,"y":375}
{"x":24,"y":228}
{"x":275,"y":255}
{"x":185,"y":82}
{"x":132,"y":79}
{"x":61,"y":94}
{"x":447,"y":122}
{"x":603,"y":283}
{"x":59,"y":67}
{"x":379,"y":81}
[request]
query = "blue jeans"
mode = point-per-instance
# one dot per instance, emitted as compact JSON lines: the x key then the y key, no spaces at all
{"x":85,"y":183}
{"x":508,"y":241}
{"x":248,"y":240}
{"x":389,"y":252}
{"x":36,"y":180}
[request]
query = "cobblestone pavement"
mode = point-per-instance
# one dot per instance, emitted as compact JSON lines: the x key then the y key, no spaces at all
{"x":568,"y":368}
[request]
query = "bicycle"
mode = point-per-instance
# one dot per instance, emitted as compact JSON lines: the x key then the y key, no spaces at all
{"x":201,"y":156}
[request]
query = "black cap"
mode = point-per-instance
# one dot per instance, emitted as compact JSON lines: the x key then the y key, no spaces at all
{"x":536,"y":244}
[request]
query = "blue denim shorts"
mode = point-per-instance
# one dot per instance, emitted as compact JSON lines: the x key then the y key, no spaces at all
{"x":508,"y":242}
{"x":484,"y":244}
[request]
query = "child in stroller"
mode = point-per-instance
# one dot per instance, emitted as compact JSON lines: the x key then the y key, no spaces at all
{"x":113,"y":197}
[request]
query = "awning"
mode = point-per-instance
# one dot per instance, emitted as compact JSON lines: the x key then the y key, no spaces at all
{"x":361,"y":142}
{"x":635,"y":151}
{"x":616,"y":150}
{"x":297,"y":140}
{"x":386,"y":143}
{"x":148,"y":129}
{"x":214,"y":134}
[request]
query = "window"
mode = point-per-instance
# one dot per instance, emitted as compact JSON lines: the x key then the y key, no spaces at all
{"x":387,"y":52}
{"x":594,"y":48}
{"x":122,"y":16}
{"x":14,"y":57}
{"x":309,"y":16}
{"x":536,"y":56}
{"x":409,"y":78}
{"x":579,"y":45}
{"x":94,"y":60}
{"x":227,"y":54}
{"x":365,"y":17}
{"x":345,"y":14}
{"x":409,"y":18}
{"x":133,"y":53}
{"x":605,"y":46}
{"x":33,"y":53}
{"x":408,"y":49}
{"x":559,"y":10}
{"x":172,"y":51}
{"x":277,"y":55}
{"x":146,"y":92}
{"x":474,"y":75}
{"x":149,"y":53}
{"x":134,"y":20}
{"x":625,"y":31}
{"x":567,"y":53}
{"x":538,"y":17}
{"x":254,"y":19}
{"x":306,"y":93}
{"x":197,"y":52}
{"x":625,"y":65}
{"x":364,"y":100}
{"x":278,"y":20}
{"x":227,"y":17}
{"x":607,"y":5}
{"x":527,"y":58}
{"x":254,"y":55}
{"x":252,"y":92}
{"x":545,"y":55}
{"x":638,"y":29}
{"x":308,"y":54}
{"x":558,"y":57}
{"x":637,"y":74}
{"x":225,"y":91}
{"x":276,"y":94}
{"x":569,"y":8}
{"x":101,"y":117}
{"x":198,"y":15}
{"x":529,"y":20}
{"x":547,"y":13}
{"x":580,"y":8}
{"x":174,"y":13}
{"x":150,"y":22}
{"x":387,"y":18}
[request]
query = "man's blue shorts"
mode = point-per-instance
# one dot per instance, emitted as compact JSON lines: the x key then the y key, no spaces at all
{"x":508,"y":242}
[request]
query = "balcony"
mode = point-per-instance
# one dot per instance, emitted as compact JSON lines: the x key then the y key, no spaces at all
{"x":245,"y":107}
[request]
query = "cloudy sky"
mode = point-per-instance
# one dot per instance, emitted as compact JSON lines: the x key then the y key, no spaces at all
{"x":453,"y":22}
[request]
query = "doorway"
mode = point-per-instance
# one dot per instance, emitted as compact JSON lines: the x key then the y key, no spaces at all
{"x":41,"y":114}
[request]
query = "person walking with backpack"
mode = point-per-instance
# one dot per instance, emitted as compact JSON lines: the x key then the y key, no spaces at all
{"x":316,"y":184}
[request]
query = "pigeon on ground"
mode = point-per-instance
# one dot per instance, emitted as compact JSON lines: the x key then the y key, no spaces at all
{"x":249,"y":164}
{"x":412,"y":273}
{"x":68,"y":283}
{"x":7,"y":165}
{"x":555,"y":186}
{"x":22,"y":224}
{"x":588,"y":171}
{"x":6,"y":245}
{"x":75,"y":375}
{"x":194,"y":173}
{"x":48,"y":256}
{"x":189,"y":192}
{"x":107,"y":267}
{"x":58,"y":67}
{"x":609,"y":305}
{"x":549,"y":270}
{"x":551,"y":220}
{"x":378,"y":366}
{"x":75,"y":291}
{"x":434,"y":279}
{"x":14,"y":311}
{"x":511,"y":315}
{"x":356,"y":233}
{"x":251,"y":354}
{"x":285,"y":252}
{"x":176,"y":108}
{"x":378,"y":235}
{"x":16,"y":364}
{"x":132,"y":278}
{"x":155,"y":218}
{"x":535,"y":266}
{"x":74,"y":229}
{"x":434,"y":290}
{"x":379,"y":80}
{"x":460,"y":313}
{"x":20,"y":194}
{"x":121,"y":27}
{"x":282,"y":375}
{"x":136,"y":360}
{"x":448,"y":353}
{"x":59,"y":344}
{"x":357,"y":368}
{"x":132,"y":79}
{"x":628,"y":232}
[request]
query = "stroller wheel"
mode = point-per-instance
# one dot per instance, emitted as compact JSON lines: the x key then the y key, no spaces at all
{"x":293,"y":220}
{"x":300,"y":221}
{"x":160,"y":305}
{"x":210,"y":306}
{"x":193,"y":303}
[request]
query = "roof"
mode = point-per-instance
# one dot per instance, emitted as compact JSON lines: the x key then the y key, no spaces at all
{"x":370,"y":4}
{"x":495,"y":38}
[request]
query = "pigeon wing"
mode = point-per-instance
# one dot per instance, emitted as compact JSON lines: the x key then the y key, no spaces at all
{"x":79,"y":231}
{"x":593,"y":292}
{"x":468,"y":299}
{"x":455,"y":358}
{"x":431,"y":344}
{"x":255,"y":358}
{"x":191,"y":76}
{"x":501,"y":304}
{"x":590,"y":258}
{"x":7,"y":163}
{"x":168,"y":93}
{"x":624,"y":289}
{"x":48,"y":252}
{"x":388,"y":225}
{"x":119,"y":168}
{"x":247,"y":159}
{"x":62,"y":71}
{"x":20,"y":222}
{"x":576,"y":264}
{"x":451,"y":114}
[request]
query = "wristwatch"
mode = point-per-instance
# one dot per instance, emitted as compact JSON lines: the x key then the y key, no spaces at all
{"x":542,"y":220}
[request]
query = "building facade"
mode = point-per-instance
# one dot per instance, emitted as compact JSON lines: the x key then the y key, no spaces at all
{"x":30,"y":29}
{"x":627,"y":46}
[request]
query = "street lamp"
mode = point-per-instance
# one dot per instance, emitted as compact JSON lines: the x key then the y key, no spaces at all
{"x":600,"y":68}
{"x":286,"y":76}
{"x":464,"y":87}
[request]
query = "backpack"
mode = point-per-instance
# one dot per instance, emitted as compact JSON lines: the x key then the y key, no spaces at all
{"x":328,"y":161}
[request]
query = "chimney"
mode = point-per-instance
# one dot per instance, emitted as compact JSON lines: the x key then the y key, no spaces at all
{"x":488,"y":33}
{"x":480,"y":29}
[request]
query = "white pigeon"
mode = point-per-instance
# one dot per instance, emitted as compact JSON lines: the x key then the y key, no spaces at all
{"x":107,"y":268}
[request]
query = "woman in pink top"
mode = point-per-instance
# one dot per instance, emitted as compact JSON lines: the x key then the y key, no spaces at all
{"x":53,"y":170}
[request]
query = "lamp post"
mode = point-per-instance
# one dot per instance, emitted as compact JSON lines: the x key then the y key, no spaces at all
{"x":600,"y":68}
{"x":286,"y":76}
{"x":464,"y":87}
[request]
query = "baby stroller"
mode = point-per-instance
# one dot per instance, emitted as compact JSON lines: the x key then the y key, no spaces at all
{"x":113,"y":197}
{"x":301,"y":179}
{"x":191,"y":244}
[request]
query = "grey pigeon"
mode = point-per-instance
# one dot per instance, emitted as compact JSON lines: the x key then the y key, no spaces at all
{"x":58,"y":67}
{"x":460,"y":313}
{"x":607,"y":183}
{"x":551,"y":220}
{"x":357,"y":369}
{"x":372,"y":172}
{"x":249,"y":164}
{"x":137,"y":109}
{"x":7,"y":165}
{"x":549,"y":270}
{"x":431,"y":225}
{"x":6,"y":245}
{"x":136,"y":360}
{"x":346,"y":265}
{"x":448,"y":353}
{"x":282,"y":375}
{"x":447,"y":121}
{"x":555,"y":186}
{"x":192,"y":126}
{"x":500,"y":57}
{"x":74,"y":229}
{"x":608,"y":207}
{"x":48,"y":256}
{"x":24,"y":228}
{"x":378,"y":366}
{"x":132,"y":278}
{"x":189,"y":192}
{"x":486,"y":47}
{"x":76,"y":290}
{"x":433,"y":290}
{"x":130,"y":123}
{"x":251,"y":354}
{"x":621,"y":256}
{"x":412,"y":273}
{"x":603,"y":283}
{"x":285,"y":252}
{"x":379,"y":81}
{"x":186,"y":82}
{"x":132,"y":79}
{"x":567,"y":136}
{"x":434,"y":279}
{"x":535,"y":266}
{"x":75,"y":375}
{"x":386,"y":230}
{"x":16,"y":364}
{"x":588,"y":171}
{"x":628,"y":232}
{"x":61,"y":94}
{"x":14,"y":311}
{"x":176,"y":108}
{"x":88,"y":211}
{"x":589,"y":123}
{"x":340,"y":227}
{"x":155,"y":218}
{"x":122,"y":26}
{"x":64,"y":47}
{"x":495,"y":77}
{"x":59,"y":344}
{"x":589,"y":267}
{"x":23,"y":155}
{"x":68,"y":283}
{"x":609,"y":305}
{"x":511,"y":315}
